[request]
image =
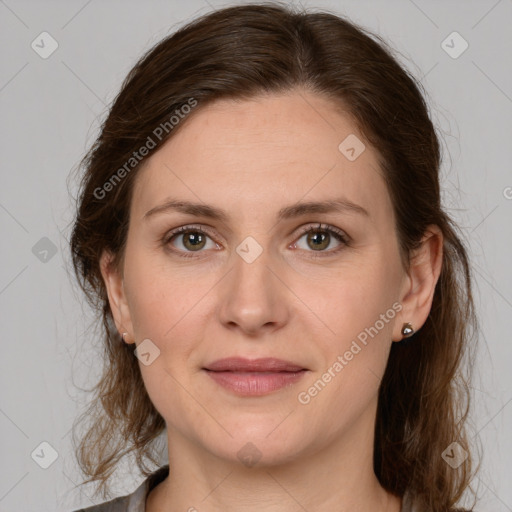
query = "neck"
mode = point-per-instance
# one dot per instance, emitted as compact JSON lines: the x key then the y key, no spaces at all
{"x":339,"y":476}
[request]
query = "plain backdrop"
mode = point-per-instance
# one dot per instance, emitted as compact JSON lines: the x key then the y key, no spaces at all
{"x":50,"y":112}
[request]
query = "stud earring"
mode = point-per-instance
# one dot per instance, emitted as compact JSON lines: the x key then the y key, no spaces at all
{"x":123,"y":336}
{"x":407,"y":331}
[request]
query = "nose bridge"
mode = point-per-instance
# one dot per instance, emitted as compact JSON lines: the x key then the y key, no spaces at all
{"x":253,"y":296}
{"x":251,"y":262}
{"x":251,"y":275}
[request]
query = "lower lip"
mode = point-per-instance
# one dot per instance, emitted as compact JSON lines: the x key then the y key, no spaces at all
{"x":255,"y":383}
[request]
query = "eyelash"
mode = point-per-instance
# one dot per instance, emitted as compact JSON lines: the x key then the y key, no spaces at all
{"x":339,"y":235}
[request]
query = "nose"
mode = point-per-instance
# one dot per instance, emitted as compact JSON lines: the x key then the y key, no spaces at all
{"x":253,"y":299}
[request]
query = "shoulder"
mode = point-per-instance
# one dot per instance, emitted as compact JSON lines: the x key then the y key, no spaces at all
{"x":116,"y":505}
{"x":134,"y":502}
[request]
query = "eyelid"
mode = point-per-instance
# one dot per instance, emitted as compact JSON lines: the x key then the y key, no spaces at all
{"x":185,"y":229}
{"x":326,"y":227}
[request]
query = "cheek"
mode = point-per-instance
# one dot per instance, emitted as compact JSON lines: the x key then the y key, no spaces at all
{"x":353,"y":298}
{"x":166,"y":308}
{"x":359,"y":307}
{"x":360,"y":312}
{"x":161,"y":297}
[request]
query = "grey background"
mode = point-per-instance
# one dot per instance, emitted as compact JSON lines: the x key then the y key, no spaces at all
{"x":50,"y":111}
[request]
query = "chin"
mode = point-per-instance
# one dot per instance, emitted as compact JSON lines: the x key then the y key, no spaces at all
{"x":255,"y":447}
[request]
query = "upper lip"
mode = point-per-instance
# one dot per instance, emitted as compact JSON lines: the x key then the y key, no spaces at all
{"x":241,"y":364}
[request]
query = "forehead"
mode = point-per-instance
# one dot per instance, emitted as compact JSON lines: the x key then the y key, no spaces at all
{"x":255,"y":155}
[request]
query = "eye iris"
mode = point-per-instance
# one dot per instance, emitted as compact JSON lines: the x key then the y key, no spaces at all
{"x":318,"y":238}
{"x":196,"y":239}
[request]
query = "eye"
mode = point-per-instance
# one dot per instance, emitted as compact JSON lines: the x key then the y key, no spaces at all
{"x":318,"y":239}
{"x":188,"y":239}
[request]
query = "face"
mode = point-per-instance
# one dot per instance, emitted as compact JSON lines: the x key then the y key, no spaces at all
{"x":247,"y":280}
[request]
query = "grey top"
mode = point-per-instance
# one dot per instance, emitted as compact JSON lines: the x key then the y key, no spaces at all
{"x":136,"y":501}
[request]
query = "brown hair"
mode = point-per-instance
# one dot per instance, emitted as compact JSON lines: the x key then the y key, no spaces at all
{"x":241,"y":52}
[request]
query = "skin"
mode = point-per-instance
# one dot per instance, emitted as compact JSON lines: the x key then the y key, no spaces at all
{"x":252,"y":158}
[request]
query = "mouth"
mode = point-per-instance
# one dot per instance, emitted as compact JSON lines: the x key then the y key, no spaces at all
{"x":254,"y":377}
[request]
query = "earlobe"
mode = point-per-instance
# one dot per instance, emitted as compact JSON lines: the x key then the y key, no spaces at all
{"x":114,"y":284}
{"x":423,"y":274}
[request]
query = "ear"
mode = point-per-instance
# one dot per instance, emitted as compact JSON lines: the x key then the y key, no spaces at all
{"x":114,"y":283}
{"x":418,"y":290}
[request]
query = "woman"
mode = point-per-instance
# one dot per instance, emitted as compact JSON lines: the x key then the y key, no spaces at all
{"x":282,"y":293}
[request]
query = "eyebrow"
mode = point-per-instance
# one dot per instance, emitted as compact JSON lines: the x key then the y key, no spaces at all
{"x":203,"y":210}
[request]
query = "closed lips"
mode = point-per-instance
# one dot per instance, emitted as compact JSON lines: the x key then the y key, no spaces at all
{"x":238,"y":364}
{"x":254,"y":378}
